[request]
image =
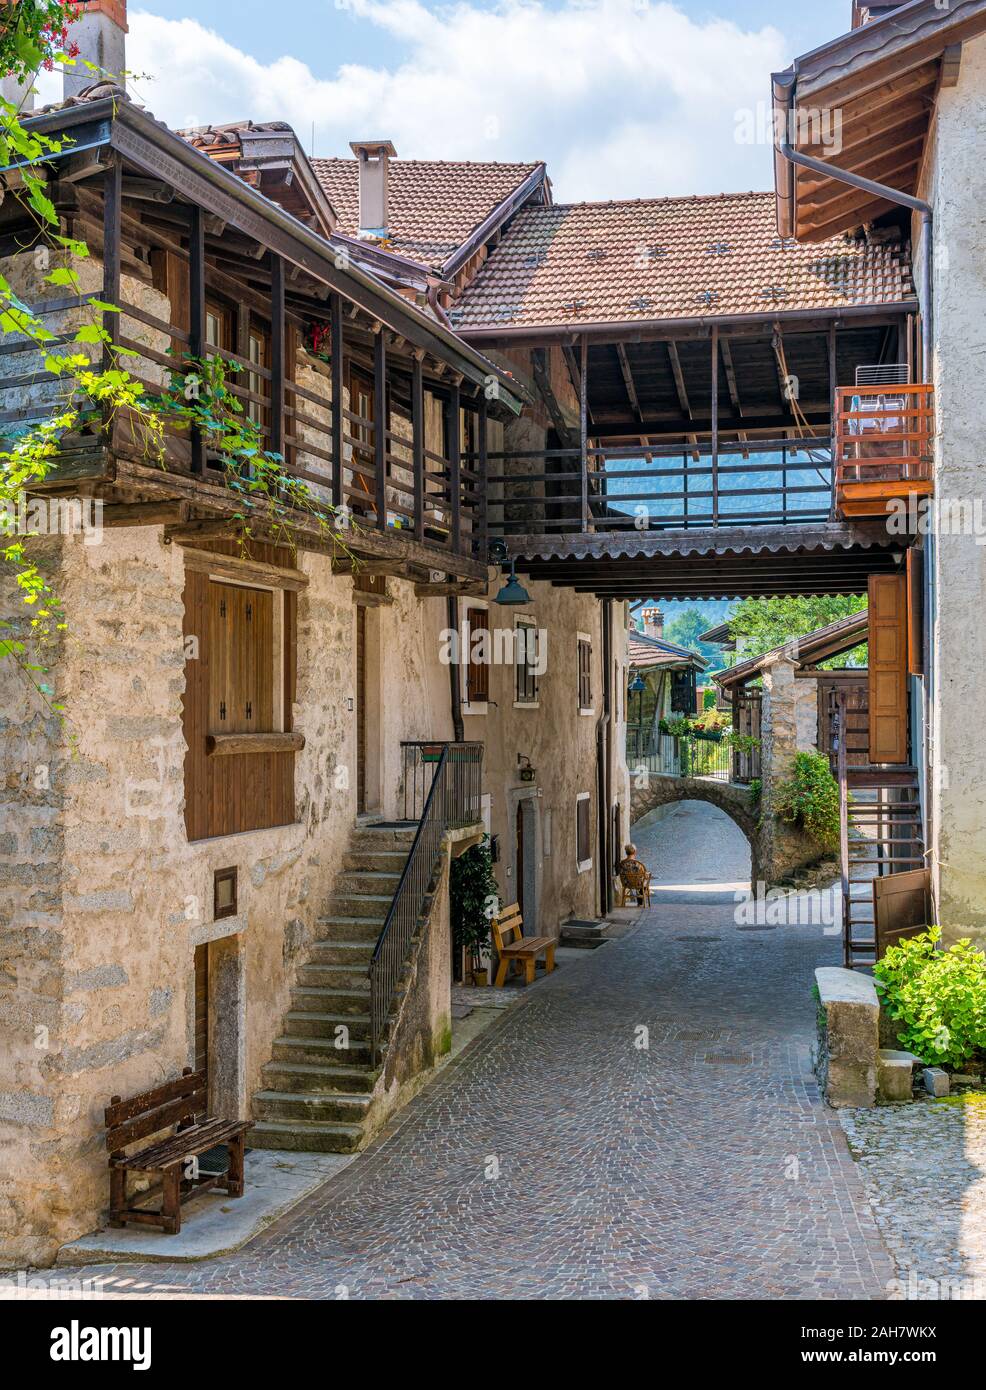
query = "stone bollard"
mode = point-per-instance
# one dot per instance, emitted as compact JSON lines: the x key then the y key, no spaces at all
{"x":847,"y":1060}
{"x":895,"y":1075}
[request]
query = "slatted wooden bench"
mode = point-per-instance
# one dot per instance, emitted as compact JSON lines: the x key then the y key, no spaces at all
{"x":176,"y":1103}
{"x":523,"y":950}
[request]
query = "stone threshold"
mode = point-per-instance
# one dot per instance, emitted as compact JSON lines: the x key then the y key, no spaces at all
{"x":212,"y":1223}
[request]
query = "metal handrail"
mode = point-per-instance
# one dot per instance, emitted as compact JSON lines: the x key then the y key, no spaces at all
{"x":453,"y":799}
{"x":840,"y":721}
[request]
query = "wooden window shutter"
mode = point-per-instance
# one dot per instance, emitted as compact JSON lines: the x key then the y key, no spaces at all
{"x":478,"y":677}
{"x":888,"y":668}
{"x":915,"y":611}
{"x":242,"y":641}
{"x":585,"y":675}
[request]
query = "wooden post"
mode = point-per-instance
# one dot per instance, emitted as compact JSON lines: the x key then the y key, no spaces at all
{"x":278,"y":358}
{"x":380,"y":426}
{"x":338,"y":348}
{"x":715,"y":424}
{"x":833,"y":388}
{"x":484,"y":508}
{"x":112,"y":207}
{"x":196,"y":312}
{"x":455,"y":466}
{"x":584,"y":429}
{"x":418,"y":446}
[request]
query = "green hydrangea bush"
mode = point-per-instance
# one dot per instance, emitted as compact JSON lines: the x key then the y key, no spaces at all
{"x":937,"y":999}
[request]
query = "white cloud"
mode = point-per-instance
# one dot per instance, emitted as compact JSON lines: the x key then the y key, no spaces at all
{"x":623,"y":98}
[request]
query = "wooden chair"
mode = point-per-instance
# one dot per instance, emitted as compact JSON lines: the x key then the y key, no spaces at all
{"x":522,"y":950}
{"x":637,"y":883}
{"x":151,"y":1112}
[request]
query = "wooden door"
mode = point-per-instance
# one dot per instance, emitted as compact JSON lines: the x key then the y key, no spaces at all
{"x":360,"y":709}
{"x":888,"y":668}
{"x":519,"y":861}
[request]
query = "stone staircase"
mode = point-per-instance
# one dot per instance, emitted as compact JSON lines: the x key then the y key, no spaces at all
{"x":318,"y":1096}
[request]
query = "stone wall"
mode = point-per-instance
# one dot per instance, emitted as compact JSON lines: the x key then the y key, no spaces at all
{"x":958,"y":561}
{"x":102,"y":899}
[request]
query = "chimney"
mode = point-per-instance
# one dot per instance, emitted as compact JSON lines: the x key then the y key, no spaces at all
{"x":653,"y":621}
{"x":100,"y":31}
{"x":865,"y":13}
{"x":374,"y":174}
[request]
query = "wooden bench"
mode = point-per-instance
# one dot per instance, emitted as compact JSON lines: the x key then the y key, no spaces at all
{"x":524,"y":950}
{"x":175,"y":1156}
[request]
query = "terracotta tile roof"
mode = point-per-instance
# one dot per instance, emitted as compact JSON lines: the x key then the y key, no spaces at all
{"x":648,"y":652}
{"x":434,"y":204}
{"x":669,"y":258}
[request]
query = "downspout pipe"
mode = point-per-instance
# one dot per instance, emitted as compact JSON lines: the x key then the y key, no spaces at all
{"x":878,"y":190}
{"x":458,"y":728}
{"x":603,"y":781}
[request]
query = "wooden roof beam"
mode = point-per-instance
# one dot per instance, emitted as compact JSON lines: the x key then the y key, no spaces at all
{"x":628,"y":381}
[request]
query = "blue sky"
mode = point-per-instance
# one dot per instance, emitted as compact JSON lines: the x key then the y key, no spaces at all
{"x":621,"y":98}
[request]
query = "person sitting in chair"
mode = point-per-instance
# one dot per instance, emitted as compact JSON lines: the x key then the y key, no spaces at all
{"x":634,"y":876}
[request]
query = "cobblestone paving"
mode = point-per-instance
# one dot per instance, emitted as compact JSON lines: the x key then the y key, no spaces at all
{"x":937,"y":1235}
{"x":558,"y":1158}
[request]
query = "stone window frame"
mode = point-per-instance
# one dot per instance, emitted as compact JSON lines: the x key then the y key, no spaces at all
{"x":583,"y":866}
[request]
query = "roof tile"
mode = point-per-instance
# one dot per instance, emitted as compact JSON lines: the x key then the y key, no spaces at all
{"x":663,"y":258}
{"x":434,"y":204}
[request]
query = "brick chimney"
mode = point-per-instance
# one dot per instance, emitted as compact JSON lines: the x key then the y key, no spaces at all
{"x":653,"y":621}
{"x":101,"y":33}
{"x":374,"y":175}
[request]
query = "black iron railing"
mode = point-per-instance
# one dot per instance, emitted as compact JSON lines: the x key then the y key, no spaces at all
{"x":442,"y":791}
{"x":674,"y":756}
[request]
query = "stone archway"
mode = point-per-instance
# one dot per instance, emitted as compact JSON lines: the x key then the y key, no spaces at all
{"x":776,"y":850}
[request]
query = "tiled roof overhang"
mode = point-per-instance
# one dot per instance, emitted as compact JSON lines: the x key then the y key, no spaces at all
{"x":825,"y":642}
{"x":880,"y":83}
{"x":150,"y":145}
{"x":713,"y":562}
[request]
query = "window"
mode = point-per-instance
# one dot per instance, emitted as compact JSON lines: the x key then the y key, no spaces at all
{"x":219,"y":327}
{"x":585,"y":674}
{"x":583,"y":832}
{"x":476,"y":657}
{"x":525,"y":665}
{"x":258,"y":357}
{"x":240,"y":641}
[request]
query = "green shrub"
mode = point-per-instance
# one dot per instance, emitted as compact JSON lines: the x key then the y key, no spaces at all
{"x":937,"y":998}
{"x":473,"y":898}
{"x":810,"y":799}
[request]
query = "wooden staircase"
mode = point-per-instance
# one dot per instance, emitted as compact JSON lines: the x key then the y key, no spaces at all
{"x":882,"y":833}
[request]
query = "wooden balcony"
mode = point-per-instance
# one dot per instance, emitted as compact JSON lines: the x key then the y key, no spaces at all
{"x":882,"y":447}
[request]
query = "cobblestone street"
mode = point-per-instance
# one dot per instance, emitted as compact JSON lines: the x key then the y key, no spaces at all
{"x":557,"y":1157}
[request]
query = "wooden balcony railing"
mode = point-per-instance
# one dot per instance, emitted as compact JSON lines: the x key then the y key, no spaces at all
{"x":882,"y":446}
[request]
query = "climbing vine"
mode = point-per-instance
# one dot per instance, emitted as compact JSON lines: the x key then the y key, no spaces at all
{"x":35,"y":34}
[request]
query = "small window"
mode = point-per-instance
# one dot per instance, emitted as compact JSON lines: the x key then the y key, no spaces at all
{"x":583,"y":832}
{"x":585,"y":675}
{"x":525,"y":665}
{"x":477,"y":657}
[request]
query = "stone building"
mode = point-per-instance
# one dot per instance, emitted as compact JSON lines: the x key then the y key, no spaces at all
{"x":195,"y":865}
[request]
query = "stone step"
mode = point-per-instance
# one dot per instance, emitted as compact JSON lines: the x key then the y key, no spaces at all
{"x":363,"y":881}
{"x":349,"y":928}
{"x":340,"y":1107}
{"x":300,"y":1048}
{"x":354,"y":955}
{"x":298,"y":1137}
{"x":316,"y":999}
{"x":302,"y":1023}
{"x":385,"y":861}
{"x":585,"y":934}
{"x":375,"y":905}
{"x":298,"y":1077}
{"x":353,"y":978}
{"x":367,"y":838}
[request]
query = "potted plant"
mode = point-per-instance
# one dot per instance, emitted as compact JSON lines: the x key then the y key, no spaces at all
{"x":474,"y":901}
